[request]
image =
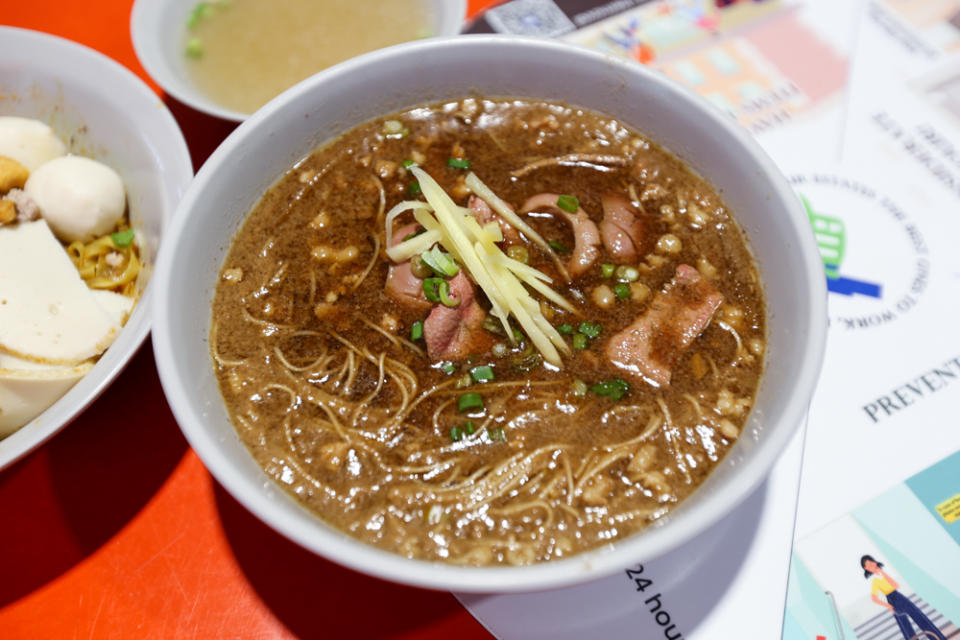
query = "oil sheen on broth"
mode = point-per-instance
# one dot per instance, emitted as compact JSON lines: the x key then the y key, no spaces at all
{"x":245,"y":52}
{"x":422,"y":426}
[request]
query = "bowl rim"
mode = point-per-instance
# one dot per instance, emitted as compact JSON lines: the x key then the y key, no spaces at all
{"x":131,"y":337}
{"x":143,"y":34}
{"x":582,"y":567}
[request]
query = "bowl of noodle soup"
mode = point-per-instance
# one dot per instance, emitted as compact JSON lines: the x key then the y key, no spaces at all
{"x":201,"y":359}
{"x":99,"y":110}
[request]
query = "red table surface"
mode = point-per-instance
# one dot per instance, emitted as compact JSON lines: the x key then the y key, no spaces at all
{"x":114,"y":529}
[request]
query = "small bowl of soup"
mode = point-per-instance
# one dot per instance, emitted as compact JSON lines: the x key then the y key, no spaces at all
{"x":91,"y":167}
{"x":228,"y":58}
{"x":444,"y":320}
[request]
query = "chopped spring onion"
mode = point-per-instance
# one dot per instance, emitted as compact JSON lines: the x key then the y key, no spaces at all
{"x":413,"y":189}
{"x":580,"y":342}
{"x":469,"y":401}
{"x":438,"y":290}
{"x":578,"y":388}
{"x":490,"y":324}
{"x":414,"y":234}
{"x":448,"y":368}
{"x":463,"y":381}
{"x":614,"y":389}
{"x":559,"y":246}
{"x":570,"y":204}
{"x":416,"y":330}
{"x":519,"y":253}
{"x":456,"y":434}
{"x":499,"y":350}
{"x":622,"y":291}
{"x":194,"y":48}
{"x":497,"y":435}
{"x":468,"y":428}
{"x":458,"y":163}
{"x":420,"y":268}
{"x":590,"y":329}
{"x":565,"y":329}
{"x":482,"y":373}
{"x":409,"y":162}
{"x":395,"y":129}
{"x":441,"y":263}
{"x":627,"y":274}
{"x":607,"y":269}
{"x":122,"y":239}
{"x":200,"y":11}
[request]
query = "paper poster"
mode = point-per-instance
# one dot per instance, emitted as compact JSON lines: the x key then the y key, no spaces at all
{"x":888,"y":569}
{"x":742,"y":58}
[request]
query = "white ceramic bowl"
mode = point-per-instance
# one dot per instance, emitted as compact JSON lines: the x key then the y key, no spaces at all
{"x":313,"y":112}
{"x":99,"y":109}
{"x":157,"y":28}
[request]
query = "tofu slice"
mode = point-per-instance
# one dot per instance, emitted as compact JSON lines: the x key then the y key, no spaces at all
{"x":28,"y":388}
{"x":47,"y":313}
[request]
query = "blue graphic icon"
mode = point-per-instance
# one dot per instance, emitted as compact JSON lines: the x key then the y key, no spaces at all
{"x":832,"y":241}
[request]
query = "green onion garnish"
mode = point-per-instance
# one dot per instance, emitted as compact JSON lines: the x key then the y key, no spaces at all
{"x":122,"y":239}
{"x":580,"y":342}
{"x":570,"y":204}
{"x":194,"y":48}
{"x":590,"y":329}
{"x":497,"y":435}
{"x":438,"y":290}
{"x":441,"y":263}
{"x":565,"y":329}
{"x":607,"y":269}
{"x":448,"y":368}
{"x":408,"y":163}
{"x":469,"y":428}
{"x":518,"y":335}
{"x":578,"y":388}
{"x":483,"y":373}
{"x":414,"y":234}
{"x":614,"y":389}
{"x":558,"y":246}
{"x":416,"y":330}
{"x":627,"y":274}
{"x":201,"y":11}
{"x":458,"y":163}
{"x":622,"y":291}
{"x":413,"y":189}
{"x":456,"y":434}
{"x":469,"y":401}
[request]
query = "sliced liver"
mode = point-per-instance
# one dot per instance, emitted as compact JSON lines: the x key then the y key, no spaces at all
{"x":402,"y":285}
{"x":651,"y":346}
{"x":452,"y":333}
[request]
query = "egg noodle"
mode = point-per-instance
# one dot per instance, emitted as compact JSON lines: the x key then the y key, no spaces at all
{"x":91,"y":260}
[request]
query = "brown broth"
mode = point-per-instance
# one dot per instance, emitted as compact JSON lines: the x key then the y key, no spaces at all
{"x":298,"y":354}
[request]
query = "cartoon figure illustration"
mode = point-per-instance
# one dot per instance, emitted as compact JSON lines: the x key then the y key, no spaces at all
{"x":898,"y":604}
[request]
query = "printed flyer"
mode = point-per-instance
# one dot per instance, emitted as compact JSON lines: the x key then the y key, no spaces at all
{"x":888,"y":569}
{"x":876,"y":553}
{"x":740,"y":57}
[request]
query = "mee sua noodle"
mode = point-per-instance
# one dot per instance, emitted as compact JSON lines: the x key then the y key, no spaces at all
{"x":489,"y":332}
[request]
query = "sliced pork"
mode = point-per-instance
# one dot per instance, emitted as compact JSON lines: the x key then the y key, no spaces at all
{"x":651,"y":346}
{"x":452,"y":333}
{"x":402,"y":285}
{"x":484,"y":215}
{"x":586,"y":237}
